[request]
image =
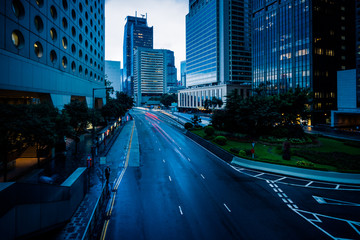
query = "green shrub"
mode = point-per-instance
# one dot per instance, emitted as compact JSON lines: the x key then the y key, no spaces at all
{"x":188,"y":125}
{"x":242,"y":153}
{"x":221,"y":140}
{"x":304,"y":164}
{"x":209,"y":130}
{"x":235,"y":150}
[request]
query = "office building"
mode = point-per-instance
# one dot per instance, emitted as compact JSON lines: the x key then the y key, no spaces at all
{"x":113,"y":75}
{"x":52,"y":51}
{"x":183,"y":73}
{"x":303,"y":44}
{"x":149,"y":74}
{"x":136,"y":34}
{"x":171,"y":71}
{"x":218,"y":50}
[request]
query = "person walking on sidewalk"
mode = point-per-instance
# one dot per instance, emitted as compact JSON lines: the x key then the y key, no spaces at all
{"x":107,"y":176}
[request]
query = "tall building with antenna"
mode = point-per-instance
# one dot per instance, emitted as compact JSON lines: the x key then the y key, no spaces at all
{"x":136,"y":34}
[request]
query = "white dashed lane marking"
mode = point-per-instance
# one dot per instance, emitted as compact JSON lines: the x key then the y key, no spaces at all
{"x":227,"y":208}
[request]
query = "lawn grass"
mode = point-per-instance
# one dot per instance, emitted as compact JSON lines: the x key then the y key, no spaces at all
{"x":329,"y":155}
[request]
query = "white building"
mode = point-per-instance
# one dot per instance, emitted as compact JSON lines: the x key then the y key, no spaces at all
{"x":52,"y":50}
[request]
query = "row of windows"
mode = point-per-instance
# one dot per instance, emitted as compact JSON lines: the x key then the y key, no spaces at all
{"x":19,"y":42}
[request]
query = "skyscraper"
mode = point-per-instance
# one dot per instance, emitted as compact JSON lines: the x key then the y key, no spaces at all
{"x":52,"y":51}
{"x":149,"y":74}
{"x":183,"y":73}
{"x":218,"y":50}
{"x":171,"y":71}
{"x":136,"y":34}
{"x":303,"y":44}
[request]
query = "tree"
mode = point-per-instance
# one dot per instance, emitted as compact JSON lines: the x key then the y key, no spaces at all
{"x":12,"y":141}
{"x":196,"y":120}
{"x":168,"y":99}
{"x":125,"y":101}
{"x":108,"y":85}
{"x":112,"y":110}
{"x":79,"y":117}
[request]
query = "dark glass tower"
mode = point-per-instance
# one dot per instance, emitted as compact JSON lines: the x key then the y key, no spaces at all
{"x":358,"y":53}
{"x":136,"y":34}
{"x":303,"y":43}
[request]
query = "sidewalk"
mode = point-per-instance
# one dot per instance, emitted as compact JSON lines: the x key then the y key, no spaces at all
{"x":76,"y":228}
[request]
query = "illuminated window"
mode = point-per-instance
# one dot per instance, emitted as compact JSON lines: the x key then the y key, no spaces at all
{"x":64,"y":42}
{"x":38,"y":49}
{"x":17,"y":39}
{"x":53,"y":12}
{"x":40,"y":3}
{"x":64,"y":23}
{"x":64,"y":62}
{"x":53,"y":34}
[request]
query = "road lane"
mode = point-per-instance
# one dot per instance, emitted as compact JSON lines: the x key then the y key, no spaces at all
{"x":205,"y":199}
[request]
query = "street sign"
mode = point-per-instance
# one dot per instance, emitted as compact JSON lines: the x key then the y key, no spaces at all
{"x":102,"y":160}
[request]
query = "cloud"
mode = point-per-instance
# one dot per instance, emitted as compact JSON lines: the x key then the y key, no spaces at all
{"x":166,"y":16}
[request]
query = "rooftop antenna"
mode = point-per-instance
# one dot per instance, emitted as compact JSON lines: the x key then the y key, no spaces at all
{"x":142,"y":15}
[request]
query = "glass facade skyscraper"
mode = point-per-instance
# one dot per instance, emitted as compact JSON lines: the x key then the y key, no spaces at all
{"x":303,"y":43}
{"x":218,"y":49}
{"x":136,"y":34}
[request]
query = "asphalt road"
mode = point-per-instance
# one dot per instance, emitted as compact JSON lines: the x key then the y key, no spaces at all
{"x":181,"y":191}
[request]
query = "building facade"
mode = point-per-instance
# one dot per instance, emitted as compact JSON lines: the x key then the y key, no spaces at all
{"x":113,"y":75}
{"x":358,"y":53}
{"x":136,"y":34}
{"x":149,"y":74}
{"x":52,"y":50}
{"x":218,"y":45}
{"x":303,"y":44}
{"x":171,"y":71}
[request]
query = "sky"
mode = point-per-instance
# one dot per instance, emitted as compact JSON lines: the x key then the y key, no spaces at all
{"x":167,"y":17}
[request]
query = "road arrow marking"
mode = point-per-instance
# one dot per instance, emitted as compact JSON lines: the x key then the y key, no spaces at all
{"x":330,"y":201}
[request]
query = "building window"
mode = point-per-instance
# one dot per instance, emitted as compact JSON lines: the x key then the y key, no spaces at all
{"x":38,"y":49}
{"x":53,"y":34}
{"x":65,"y":4}
{"x":86,"y":58}
{"x":73,"y":66}
{"x":80,"y":53}
{"x":39,"y":25}
{"x":86,"y":43}
{"x":80,"y":7}
{"x":73,"y":48}
{"x":64,"y":62}
{"x":73,"y":14}
{"x":39,"y":3}
{"x":80,"y":69}
{"x":86,"y":16}
{"x":17,"y":39}
{"x":86,"y":72}
{"x":80,"y":38}
{"x":64,"y":23}
{"x":64,"y":42}
{"x":53,"y":56}
{"x":53,"y":12}
{"x":73,"y":31}
{"x":80,"y":22}
{"x":18,"y":9}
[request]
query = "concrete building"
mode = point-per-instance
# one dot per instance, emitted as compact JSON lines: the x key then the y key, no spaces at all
{"x":113,"y":74}
{"x":218,"y":49}
{"x":52,"y":50}
{"x":303,"y":44}
{"x":136,"y":34}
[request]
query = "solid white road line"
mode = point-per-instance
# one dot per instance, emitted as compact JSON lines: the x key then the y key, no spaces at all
{"x":181,"y":212}
{"x":279,"y":179}
{"x":308,"y":184}
{"x":202,"y":176}
{"x":227,"y":207}
{"x":170,"y":178}
{"x":258,"y":175}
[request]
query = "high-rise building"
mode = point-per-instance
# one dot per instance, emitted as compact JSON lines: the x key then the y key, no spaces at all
{"x":303,"y":44}
{"x":171,"y":71}
{"x":183,"y":73}
{"x":52,"y":51}
{"x":113,"y":75}
{"x":136,"y":34}
{"x":218,"y":50}
{"x":149,"y":74}
{"x":358,"y":53}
